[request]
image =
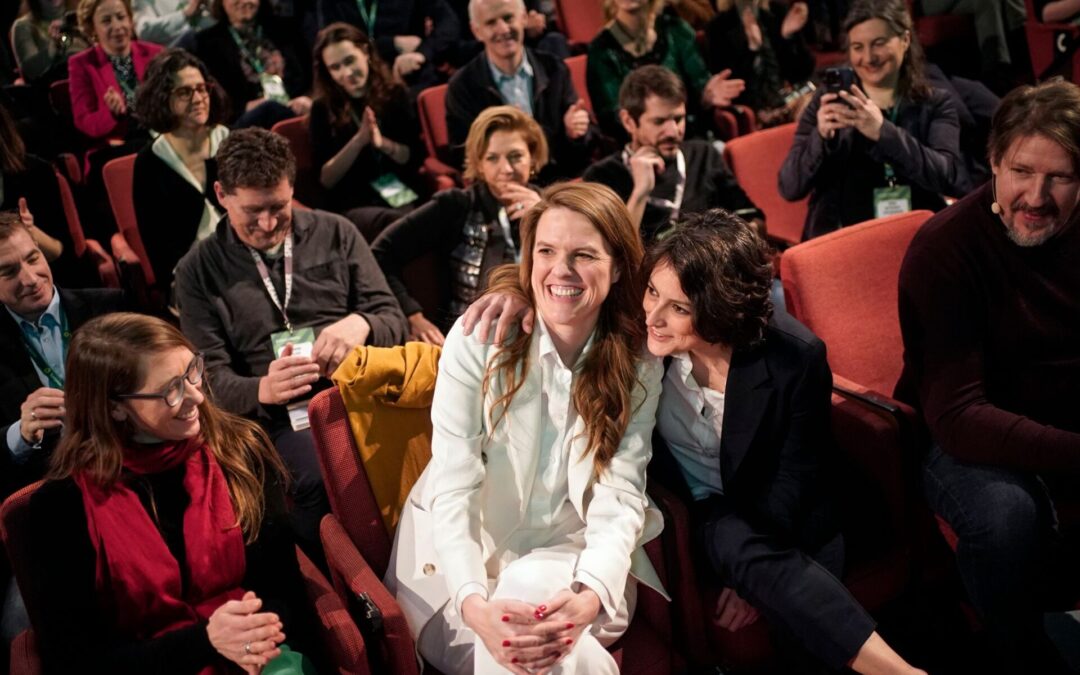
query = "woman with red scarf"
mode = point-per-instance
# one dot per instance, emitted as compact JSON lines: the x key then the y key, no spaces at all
{"x":162,"y":542}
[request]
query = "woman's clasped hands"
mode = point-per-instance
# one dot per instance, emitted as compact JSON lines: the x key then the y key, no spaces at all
{"x":527,"y":639}
{"x":244,"y":635}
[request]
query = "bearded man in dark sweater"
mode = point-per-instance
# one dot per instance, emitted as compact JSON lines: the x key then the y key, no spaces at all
{"x":990,"y":315}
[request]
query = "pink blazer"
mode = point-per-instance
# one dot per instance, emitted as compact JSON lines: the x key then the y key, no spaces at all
{"x":90,"y":74}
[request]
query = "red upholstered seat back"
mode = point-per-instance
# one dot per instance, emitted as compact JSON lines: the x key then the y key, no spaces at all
{"x":432,"y":106}
{"x":119,"y":176}
{"x":755,"y":160}
{"x":347,"y":486}
{"x":307,"y":188}
{"x":580,"y":20}
{"x":843,"y":286}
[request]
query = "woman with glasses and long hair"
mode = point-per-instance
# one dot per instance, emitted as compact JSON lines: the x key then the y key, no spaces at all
{"x":182,"y":102}
{"x":519,"y":548}
{"x":886,"y":142}
{"x":161,"y":540}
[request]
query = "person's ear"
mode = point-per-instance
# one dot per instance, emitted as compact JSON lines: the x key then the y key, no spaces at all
{"x":118,"y":413}
{"x":616,"y":274}
{"x":628,"y":122}
{"x":219,"y":191}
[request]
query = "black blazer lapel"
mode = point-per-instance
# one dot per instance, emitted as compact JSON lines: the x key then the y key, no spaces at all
{"x":746,"y":402}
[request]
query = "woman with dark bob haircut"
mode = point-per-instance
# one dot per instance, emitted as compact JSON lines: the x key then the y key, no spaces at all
{"x":759,"y":496}
{"x":744,"y":414}
{"x":181,"y":101}
{"x":162,"y":540}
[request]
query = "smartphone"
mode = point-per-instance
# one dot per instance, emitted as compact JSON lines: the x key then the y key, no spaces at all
{"x":838,"y":79}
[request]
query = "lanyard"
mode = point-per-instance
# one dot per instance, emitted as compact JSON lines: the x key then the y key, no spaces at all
{"x":367,"y":13}
{"x":504,"y":220}
{"x":253,"y":60}
{"x":265,"y":273}
{"x":55,"y":379}
{"x":890,"y":174}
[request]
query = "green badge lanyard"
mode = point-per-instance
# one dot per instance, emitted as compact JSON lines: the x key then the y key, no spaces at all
{"x":254,"y":61}
{"x":367,"y":13}
{"x":39,"y":358}
{"x":890,"y":175}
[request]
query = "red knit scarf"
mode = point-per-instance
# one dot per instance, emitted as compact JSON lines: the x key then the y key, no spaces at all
{"x":137,"y":575}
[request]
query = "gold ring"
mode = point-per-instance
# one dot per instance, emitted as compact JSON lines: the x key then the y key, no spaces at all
{"x":247,"y":648}
{"x":33,"y":415}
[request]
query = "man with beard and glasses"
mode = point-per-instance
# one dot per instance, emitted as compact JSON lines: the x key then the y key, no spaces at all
{"x":660,"y":174}
{"x":275,"y":300}
{"x":990,"y":315}
{"x":535,"y":82}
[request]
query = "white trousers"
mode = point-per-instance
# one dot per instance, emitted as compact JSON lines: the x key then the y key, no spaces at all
{"x":448,"y":644}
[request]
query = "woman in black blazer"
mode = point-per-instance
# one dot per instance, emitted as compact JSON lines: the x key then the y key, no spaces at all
{"x":745,"y":416}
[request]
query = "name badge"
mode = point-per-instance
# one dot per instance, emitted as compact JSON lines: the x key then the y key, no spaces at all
{"x":302,"y":341}
{"x":273,"y":88}
{"x":393,"y":191}
{"x":889,"y":201}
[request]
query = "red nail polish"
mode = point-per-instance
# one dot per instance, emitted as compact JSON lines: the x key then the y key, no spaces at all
{"x":569,"y":626}
{"x":513,"y":660}
{"x":505,"y":618}
{"x":569,"y":641}
{"x":506,"y":643}
{"x":542,"y":608}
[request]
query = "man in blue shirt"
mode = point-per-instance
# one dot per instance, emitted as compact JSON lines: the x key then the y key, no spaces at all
{"x":508,"y":73}
{"x":35,"y":328}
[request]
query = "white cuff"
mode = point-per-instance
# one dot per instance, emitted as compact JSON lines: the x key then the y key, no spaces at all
{"x":467,"y":590}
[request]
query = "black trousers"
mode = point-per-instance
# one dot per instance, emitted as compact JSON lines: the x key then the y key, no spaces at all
{"x":798,"y":592}
{"x":306,"y":490}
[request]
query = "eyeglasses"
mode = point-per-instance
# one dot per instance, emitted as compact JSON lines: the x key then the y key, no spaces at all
{"x":188,"y":93}
{"x":173,"y":393}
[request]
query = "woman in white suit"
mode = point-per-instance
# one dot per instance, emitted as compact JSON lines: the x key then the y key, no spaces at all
{"x":515,"y":548}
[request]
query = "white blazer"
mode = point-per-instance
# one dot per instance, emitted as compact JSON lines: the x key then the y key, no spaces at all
{"x":475,"y":490}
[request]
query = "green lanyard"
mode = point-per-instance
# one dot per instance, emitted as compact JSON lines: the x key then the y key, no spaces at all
{"x":254,"y":61}
{"x":367,"y":13}
{"x":890,"y":174}
{"x":39,"y":359}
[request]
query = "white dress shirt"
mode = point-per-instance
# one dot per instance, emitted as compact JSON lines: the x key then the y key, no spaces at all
{"x":690,"y":419}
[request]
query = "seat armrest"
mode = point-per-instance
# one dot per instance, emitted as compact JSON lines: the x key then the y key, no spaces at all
{"x":352,"y":576}
{"x":106,"y":266}
{"x":341,"y":638}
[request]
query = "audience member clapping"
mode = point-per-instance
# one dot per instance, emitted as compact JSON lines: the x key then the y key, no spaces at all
{"x":255,"y":57}
{"x":470,"y":231}
{"x":43,"y":38}
{"x":761,"y":43}
{"x":160,"y":542}
{"x":103,"y":79}
{"x":638,"y":33}
{"x":171,"y":22}
{"x":365,"y":136}
{"x":508,"y":73}
{"x":182,"y":103}
{"x":887,"y":142}
{"x":28,"y":185}
{"x":415,"y":37}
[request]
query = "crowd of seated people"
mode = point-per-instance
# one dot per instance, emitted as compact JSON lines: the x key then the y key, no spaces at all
{"x":597,"y":224}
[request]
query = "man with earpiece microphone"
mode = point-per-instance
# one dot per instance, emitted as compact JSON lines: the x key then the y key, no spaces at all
{"x":990,"y":315}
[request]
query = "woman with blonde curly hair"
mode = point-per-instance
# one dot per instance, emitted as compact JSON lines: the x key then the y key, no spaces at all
{"x":470,"y":231}
{"x":517,"y":547}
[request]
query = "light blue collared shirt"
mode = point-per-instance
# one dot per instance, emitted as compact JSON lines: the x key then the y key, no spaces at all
{"x":45,"y":334}
{"x":517,"y":88}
